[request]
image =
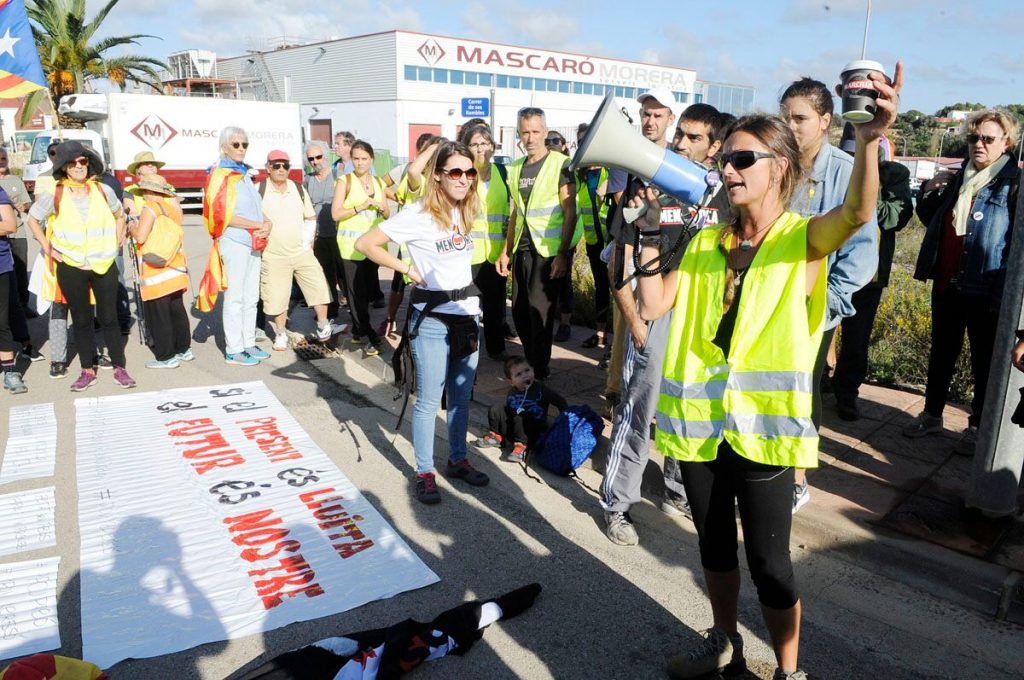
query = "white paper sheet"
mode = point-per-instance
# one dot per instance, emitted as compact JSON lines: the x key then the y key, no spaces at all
{"x":31,"y":449}
{"x":27,"y":521}
{"x":28,"y":607}
{"x":209,"y":514}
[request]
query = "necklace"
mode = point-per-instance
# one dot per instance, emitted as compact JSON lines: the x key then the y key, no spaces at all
{"x":748,"y":243}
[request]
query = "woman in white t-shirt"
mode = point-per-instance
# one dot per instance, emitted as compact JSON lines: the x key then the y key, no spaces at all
{"x":435,"y":232}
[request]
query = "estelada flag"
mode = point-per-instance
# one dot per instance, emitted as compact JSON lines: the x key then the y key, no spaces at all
{"x":218,"y":208}
{"x":20,"y":70}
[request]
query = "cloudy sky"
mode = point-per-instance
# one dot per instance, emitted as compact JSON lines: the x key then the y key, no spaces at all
{"x":952,"y":50}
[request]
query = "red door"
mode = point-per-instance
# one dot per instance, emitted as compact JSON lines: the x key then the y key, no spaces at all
{"x":415,"y":130}
{"x":320,"y":130}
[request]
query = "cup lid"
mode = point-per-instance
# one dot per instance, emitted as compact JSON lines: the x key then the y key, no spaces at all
{"x":864,"y":64}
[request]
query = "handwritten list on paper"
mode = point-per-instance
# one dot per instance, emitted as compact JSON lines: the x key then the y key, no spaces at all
{"x":28,"y":607}
{"x":29,"y":521}
{"x":31,"y":450}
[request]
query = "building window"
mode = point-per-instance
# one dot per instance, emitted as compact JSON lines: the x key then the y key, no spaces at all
{"x":577,"y":88}
{"x":552,"y":86}
{"x":485,"y":79}
{"x":563,"y":85}
{"x":588,"y":88}
{"x":502,"y":81}
{"x":440,"y":75}
{"x":423,"y":73}
{"x":620,"y":92}
{"x":631,"y":92}
{"x":410,"y":73}
{"x":457,"y":77}
{"x":525,"y":83}
{"x":513,"y":82}
{"x":470,"y":78}
{"x":698,"y":98}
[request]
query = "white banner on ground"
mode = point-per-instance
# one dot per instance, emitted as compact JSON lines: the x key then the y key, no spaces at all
{"x":31,"y":444}
{"x":28,"y":607}
{"x":27,"y":521}
{"x":207,"y":514}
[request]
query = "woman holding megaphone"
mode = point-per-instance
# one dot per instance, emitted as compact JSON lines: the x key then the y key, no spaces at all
{"x":736,"y":394}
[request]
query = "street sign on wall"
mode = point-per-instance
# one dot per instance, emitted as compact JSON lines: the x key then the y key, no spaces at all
{"x":476,"y":107}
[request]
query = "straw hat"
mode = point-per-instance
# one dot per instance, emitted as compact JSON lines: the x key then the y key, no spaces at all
{"x":144,"y":157}
{"x":156,"y":184}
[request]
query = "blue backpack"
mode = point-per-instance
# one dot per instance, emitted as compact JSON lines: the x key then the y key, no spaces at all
{"x":570,"y":440}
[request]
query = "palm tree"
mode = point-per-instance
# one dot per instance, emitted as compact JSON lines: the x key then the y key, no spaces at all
{"x":70,"y":62}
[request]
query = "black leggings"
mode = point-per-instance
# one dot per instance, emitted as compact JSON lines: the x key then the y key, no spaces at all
{"x":168,"y":325}
{"x":765,"y":496}
{"x":75,"y":284}
{"x":493,"y":295}
{"x":6,"y":337}
{"x":602,"y":286}
{"x":359,"y":276}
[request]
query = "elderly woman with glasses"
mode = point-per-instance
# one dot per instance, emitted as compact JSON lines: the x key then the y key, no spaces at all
{"x":748,"y":303}
{"x":234,"y":218}
{"x":964,"y":253}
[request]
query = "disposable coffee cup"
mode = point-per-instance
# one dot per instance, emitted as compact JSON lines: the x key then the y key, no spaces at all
{"x":859,"y":93}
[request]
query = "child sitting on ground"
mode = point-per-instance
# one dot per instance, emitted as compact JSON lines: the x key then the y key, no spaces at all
{"x":522,"y":418}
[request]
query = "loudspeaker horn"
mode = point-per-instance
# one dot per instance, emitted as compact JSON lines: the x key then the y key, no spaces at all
{"x":611,"y":142}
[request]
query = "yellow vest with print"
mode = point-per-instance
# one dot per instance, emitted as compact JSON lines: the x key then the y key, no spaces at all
{"x":759,"y":398}
{"x":351,"y":228}
{"x":488,"y":232}
{"x":585,"y":208}
{"x":89,"y":244}
{"x":543,"y":216}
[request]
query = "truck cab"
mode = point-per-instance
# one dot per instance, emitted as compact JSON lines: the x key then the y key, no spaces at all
{"x":39,"y":162}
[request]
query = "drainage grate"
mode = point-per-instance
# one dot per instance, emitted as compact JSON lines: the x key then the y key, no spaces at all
{"x":313,"y":350}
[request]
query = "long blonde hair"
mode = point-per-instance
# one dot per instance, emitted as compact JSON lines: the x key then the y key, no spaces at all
{"x":436,"y":202}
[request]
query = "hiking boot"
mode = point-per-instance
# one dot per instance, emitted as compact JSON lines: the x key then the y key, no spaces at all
{"x":518,"y":453}
{"x":783,"y":675}
{"x":31,"y":353}
{"x":923,"y":425}
{"x":619,"y":528}
{"x":489,"y":440}
{"x":257,"y":353}
{"x":122,"y":378}
{"x":86,"y":380}
{"x":13,"y":382}
{"x":58,"y":369}
{"x":426,"y":489}
{"x":717,"y":652}
{"x":801,"y":496}
{"x":563,"y":333}
{"x":466,"y":472}
{"x":240,"y":359}
{"x":676,"y":507}
{"x":187,"y":355}
{"x":166,"y":363}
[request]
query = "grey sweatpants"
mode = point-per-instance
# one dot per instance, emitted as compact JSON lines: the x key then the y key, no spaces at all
{"x":631,"y":428}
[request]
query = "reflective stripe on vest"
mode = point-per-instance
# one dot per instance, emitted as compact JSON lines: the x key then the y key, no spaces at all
{"x":489,"y":229}
{"x":351,"y":228}
{"x":759,"y":398}
{"x":89,"y":243}
{"x":585,"y":207}
{"x":543,"y":215}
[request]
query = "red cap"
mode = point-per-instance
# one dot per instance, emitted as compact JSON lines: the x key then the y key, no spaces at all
{"x":277,"y":155}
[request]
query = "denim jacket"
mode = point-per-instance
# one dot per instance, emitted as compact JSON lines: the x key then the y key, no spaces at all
{"x":854,"y":265}
{"x":987,"y":242}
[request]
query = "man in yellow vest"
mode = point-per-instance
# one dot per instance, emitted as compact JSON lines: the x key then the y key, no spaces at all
{"x":540,"y":231}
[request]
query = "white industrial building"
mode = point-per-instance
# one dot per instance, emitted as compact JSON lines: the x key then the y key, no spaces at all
{"x":388,"y":88}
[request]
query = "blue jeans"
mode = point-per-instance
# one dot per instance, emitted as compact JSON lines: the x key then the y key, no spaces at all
{"x":242,"y":269}
{"x":435,"y":371}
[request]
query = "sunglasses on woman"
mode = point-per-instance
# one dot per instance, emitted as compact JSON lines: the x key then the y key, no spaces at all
{"x":973,"y":139}
{"x":457,"y":173}
{"x":281,"y":164}
{"x":239,"y":145}
{"x":82,"y":162}
{"x":741,"y":160}
{"x":554,"y":141}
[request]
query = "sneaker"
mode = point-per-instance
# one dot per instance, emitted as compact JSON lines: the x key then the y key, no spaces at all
{"x":676,"y":507}
{"x":31,"y":353}
{"x":240,"y":359}
{"x":563,"y":333}
{"x":489,"y":440}
{"x":122,"y":378}
{"x":372,"y":349}
{"x":847,"y":410}
{"x":783,"y":675}
{"x":923,"y":425}
{"x":58,"y":370}
{"x":13,"y":382}
{"x":166,"y":363}
{"x":323,"y":333}
{"x":261,"y":335}
{"x":355,"y":342}
{"x":86,"y":380}
{"x":717,"y":652}
{"x":426,"y":489}
{"x":466,"y":472}
{"x":801,"y":495}
{"x":257,"y":353}
{"x":187,"y":355}
{"x":518,"y":453}
{"x":104,"y":362}
{"x":281,"y":342}
{"x":618,"y":527}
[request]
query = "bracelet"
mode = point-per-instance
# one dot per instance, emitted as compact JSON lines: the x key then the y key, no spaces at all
{"x":651,"y":232}
{"x":408,"y":268}
{"x":654,"y":241}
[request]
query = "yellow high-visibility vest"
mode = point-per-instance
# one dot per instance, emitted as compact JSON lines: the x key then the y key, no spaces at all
{"x":543,"y":216}
{"x":488,"y":232}
{"x":89,"y":243}
{"x":351,"y":228}
{"x":759,"y":397}
{"x":585,"y":208}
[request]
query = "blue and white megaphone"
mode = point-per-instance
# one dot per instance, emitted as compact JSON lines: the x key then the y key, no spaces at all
{"x":611,"y":142}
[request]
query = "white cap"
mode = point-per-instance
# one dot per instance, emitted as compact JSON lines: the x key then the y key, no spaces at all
{"x":663,"y":95}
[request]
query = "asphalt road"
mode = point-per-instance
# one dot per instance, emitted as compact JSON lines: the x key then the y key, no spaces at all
{"x":606,"y":611}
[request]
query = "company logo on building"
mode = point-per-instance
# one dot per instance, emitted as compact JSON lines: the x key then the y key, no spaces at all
{"x":431,"y":51}
{"x":154,"y":132}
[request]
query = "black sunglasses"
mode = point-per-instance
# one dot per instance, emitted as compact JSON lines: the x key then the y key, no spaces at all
{"x":741,"y":160}
{"x":239,"y":145}
{"x":457,"y":173}
{"x":281,"y":164}
{"x":314,"y":158}
{"x":986,"y":139}
{"x":554,"y":141}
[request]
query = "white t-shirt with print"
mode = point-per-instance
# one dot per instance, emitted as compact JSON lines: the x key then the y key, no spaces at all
{"x":443,"y":258}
